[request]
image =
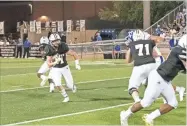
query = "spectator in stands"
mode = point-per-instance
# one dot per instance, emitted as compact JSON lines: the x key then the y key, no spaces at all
{"x":26,"y":45}
{"x":158,"y":30}
{"x":98,"y":37}
{"x":19,"y":47}
{"x":184,"y":11}
{"x":173,"y":42}
{"x":176,"y":26}
{"x":178,"y":17}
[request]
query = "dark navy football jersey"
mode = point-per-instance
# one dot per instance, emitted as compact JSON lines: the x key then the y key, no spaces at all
{"x":142,"y":52}
{"x":170,"y":68}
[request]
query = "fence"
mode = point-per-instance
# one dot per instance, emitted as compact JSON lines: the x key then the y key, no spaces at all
{"x":90,"y":50}
{"x":110,"y":49}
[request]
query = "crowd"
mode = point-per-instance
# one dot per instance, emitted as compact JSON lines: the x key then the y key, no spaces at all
{"x":177,"y":27}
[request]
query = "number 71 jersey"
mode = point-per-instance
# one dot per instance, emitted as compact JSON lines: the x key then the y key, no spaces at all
{"x":141,"y":52}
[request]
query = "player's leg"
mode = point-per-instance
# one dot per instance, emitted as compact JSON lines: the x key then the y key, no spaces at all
{"x":69,"y":79}
{"x":56,"y":75}
{"x":41,"y":73}
{"x":134,"y":83}
{"x":151,"y":93}
{"x":51,"y":83}
{"x":169,"y":94}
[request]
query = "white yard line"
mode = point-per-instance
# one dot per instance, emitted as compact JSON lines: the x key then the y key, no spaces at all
{"x":86,"y":64}
{"x":71,"y":114}
{"x":9,"y":75}
{"x":65,"y":115}
{"x":83,"y":82}
{"x":18,"y":86}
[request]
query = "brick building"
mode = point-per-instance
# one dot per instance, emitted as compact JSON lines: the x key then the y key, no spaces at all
{"x":11,"y":12}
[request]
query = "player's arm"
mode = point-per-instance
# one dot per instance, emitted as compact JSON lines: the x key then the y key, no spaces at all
{"x":75,"y":56}
{"x":52,"y":61}
{"x":157,"y":39}
{"x":73,"y":53}
{"x":128,"y":56}
{"x":156,"y":52}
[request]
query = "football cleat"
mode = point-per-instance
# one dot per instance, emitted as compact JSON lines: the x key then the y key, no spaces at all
{"x":148,"y":122}
{"x":74,"y":90}
{"x":123,"y":118}
{"x":66,"y":99}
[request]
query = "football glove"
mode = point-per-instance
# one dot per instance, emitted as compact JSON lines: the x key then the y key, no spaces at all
{"x":77,"y":65}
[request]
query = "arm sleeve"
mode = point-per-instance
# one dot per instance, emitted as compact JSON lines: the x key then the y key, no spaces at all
{"x":153,"y":44}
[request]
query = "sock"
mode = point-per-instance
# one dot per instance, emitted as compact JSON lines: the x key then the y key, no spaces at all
{"x":64,"y":94}
{"x":42,"y":77}
{"x":129,"y":112}
{"x":178,"y":88}
{"x":135,"y":96}
{"x":52,"y":87}
{"x":154,"y":114}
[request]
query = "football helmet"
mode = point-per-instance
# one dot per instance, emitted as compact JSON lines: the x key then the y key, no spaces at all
{"x":138,"y":35}
{"x":54,"y":39}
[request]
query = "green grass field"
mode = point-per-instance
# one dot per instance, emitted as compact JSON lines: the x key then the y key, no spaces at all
{"x":102,"y":94}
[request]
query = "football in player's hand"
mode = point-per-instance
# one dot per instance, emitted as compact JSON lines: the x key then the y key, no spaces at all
{"x":53,"y":59}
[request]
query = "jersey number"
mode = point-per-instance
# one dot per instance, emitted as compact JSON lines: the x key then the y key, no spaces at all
{"x":140,"y":48}
{"x":58,"y":56}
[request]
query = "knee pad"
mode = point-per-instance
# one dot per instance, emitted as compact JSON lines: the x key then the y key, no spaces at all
{"x":173,"y":103}
{"x":131,"y":90}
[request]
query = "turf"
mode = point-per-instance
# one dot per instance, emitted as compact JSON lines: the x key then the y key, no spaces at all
{"x":100,"y":85}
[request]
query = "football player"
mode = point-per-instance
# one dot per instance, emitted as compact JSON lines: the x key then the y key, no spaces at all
{"x":56,"y":60}
{"x":159,"y":83}
{"x":44,"y":41}
{"x":159,"y":60}
{"x":140,"y":50}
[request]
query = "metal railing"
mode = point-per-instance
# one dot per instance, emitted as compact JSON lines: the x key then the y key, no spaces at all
{"x":168,"y":18}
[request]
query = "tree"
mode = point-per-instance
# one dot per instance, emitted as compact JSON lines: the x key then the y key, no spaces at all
{"x":123,"y":11}
{"x":132,"y":11}
{"x":161,"y":8}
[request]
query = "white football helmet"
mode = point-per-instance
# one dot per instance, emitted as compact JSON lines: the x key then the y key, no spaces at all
{"x":138,"y":35}
{"x":54,"y":37}
{"x":44,"y":40}
{"x":183,"y":41}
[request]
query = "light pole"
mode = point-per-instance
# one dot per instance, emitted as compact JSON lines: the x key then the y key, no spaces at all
{"x":146,"y":14}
